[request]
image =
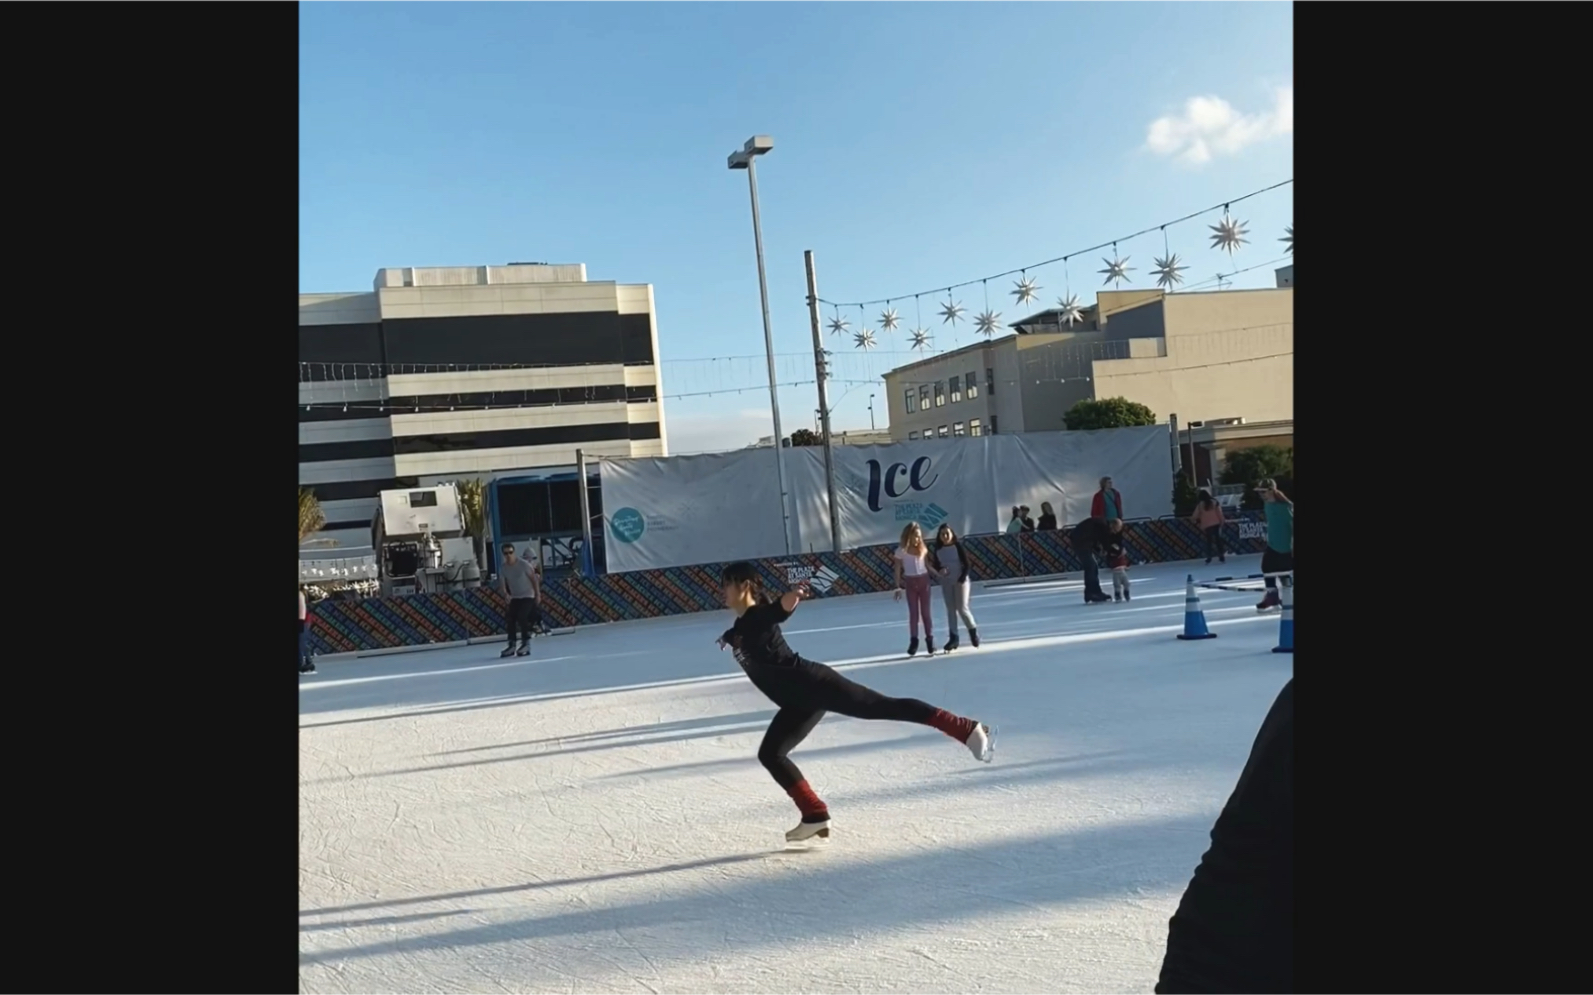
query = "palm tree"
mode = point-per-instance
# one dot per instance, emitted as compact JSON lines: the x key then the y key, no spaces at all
{"x":311,"y":517}
{"x":473,"y":509}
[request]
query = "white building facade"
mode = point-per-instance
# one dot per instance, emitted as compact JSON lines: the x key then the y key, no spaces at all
{"x":450,"y":373}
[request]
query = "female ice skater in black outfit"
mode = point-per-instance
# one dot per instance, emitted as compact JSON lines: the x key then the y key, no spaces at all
{"x":805,"y":690}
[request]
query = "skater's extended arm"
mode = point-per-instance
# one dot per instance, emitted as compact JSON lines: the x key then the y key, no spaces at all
{"x":790,"y":599}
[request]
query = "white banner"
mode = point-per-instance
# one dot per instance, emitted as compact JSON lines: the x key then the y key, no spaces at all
{"x":679,"y":510}
{"x":879,"y":489}
{"x":682,"y":510}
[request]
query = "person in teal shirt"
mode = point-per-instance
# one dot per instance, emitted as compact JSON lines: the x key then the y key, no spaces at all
{"x":1279,"y":554}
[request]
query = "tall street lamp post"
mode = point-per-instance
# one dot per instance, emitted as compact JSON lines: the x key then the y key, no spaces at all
{"x":759,"y":145}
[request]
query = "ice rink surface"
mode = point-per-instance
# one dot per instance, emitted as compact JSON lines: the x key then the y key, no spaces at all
{"x":594,"y":819}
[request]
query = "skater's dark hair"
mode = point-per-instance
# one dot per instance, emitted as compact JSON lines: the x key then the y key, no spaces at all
{"x":1206,"y":500}
{"x":743,"y":572}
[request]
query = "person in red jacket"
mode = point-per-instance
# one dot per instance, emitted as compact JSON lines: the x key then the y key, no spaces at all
{"x":1107,"y":503}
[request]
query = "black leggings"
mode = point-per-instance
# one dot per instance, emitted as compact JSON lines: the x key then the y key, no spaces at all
{"x":812,"y":689}
{"x":1273,"y":561}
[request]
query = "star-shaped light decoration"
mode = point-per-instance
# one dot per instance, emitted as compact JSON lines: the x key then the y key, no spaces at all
{"x":920,"y":338}
{"x":1288,"y":238}
{"x":987,"y":323}
{"x":1069,"y":311}
{"x":1025,"y":289}
{"x":951,"y":312}
{"x":839,"y":325}
{"x":864,"y":339}
{"x":1230,"y":235}
{"x":1116,"y":271}
{"x":888,"y":319}
{"x":1169,"y":271}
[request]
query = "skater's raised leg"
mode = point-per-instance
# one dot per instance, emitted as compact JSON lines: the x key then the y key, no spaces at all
{"x":837,"y":694}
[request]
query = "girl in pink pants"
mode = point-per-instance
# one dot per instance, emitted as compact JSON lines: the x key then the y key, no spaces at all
{"x":912,"y":578}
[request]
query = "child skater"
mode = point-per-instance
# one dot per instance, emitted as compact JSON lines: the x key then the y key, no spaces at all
{"x":1117,"y":559}
{"x":805,"y":690}
{"x":912,"y":576}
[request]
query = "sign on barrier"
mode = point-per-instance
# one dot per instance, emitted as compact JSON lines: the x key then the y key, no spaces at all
{"x":1252,"y":530}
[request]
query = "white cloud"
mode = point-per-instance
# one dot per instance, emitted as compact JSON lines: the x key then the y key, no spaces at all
{"x":716,"y":432}
{"x":1210,"y":127}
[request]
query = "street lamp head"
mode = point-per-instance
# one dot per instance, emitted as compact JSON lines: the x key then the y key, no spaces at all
{"x":756,"y":145}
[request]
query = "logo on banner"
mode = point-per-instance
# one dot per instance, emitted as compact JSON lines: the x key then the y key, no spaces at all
{"x":627,"y":524}
{"x":1252,"y":530}
{"x":902,"y":480}
{"x":821,"y":579}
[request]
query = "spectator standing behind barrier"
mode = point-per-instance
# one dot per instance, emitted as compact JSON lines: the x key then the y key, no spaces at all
{"x":1234,"y":928}
{"x":1016,"y":524}
{"x":1279,"y":555}
{"x":1088,"y":536}
{"x":1107,"y":503}
{"x":1047,"y":517}
{"x":1208,"y":518}
{"x":1023,"y":513}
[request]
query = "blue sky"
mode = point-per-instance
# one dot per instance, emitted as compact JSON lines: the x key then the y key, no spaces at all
{"x":916,"y":145}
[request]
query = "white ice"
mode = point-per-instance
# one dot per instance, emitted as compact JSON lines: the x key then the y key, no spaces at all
{"x":594,"y":819}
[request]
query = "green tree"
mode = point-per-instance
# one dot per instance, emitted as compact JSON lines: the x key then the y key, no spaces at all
{"x":1248,"y":466}
{"x":806,"y":437}
{"x":1110,"y":412}
{"x":1185,"y":496}
{"x":473,"y":509}
{"x":311,"y":517}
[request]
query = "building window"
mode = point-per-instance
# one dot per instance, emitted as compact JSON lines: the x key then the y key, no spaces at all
{"x":972,"y":380}
{"x":990,"y":388}
{"x":956,"y":429}
{"x":941,"y":432}
{"x":940,"y":393}
{"x":908,"y":399}
{"x":912,"y":436}
{"x":992,"y":424}
{"x":923,"y":397}
{"x":956,"y":389}
{"x":974,"y":428}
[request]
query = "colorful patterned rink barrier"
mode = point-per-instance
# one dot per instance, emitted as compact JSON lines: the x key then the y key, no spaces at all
{"x":454,"y":616}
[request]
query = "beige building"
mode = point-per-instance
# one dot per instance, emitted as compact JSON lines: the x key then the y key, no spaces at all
{"x":1201,"y":356}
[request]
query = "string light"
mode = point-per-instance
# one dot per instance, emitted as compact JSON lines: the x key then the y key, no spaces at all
{"x":1109,"y":243}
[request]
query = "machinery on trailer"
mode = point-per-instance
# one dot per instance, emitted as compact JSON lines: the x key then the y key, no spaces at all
{"x":420,"y":541}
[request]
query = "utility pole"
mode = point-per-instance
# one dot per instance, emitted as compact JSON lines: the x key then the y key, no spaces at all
{"x":821,"y":369}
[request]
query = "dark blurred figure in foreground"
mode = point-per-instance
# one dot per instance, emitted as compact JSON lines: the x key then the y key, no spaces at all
{"x":1234,"y":929}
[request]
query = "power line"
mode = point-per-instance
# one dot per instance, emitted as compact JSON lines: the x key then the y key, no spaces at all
{"x":1060,"y":259}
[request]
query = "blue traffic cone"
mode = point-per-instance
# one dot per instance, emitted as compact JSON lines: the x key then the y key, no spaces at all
{"x":1194,"y":615}
{"x":1286,"y":626}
